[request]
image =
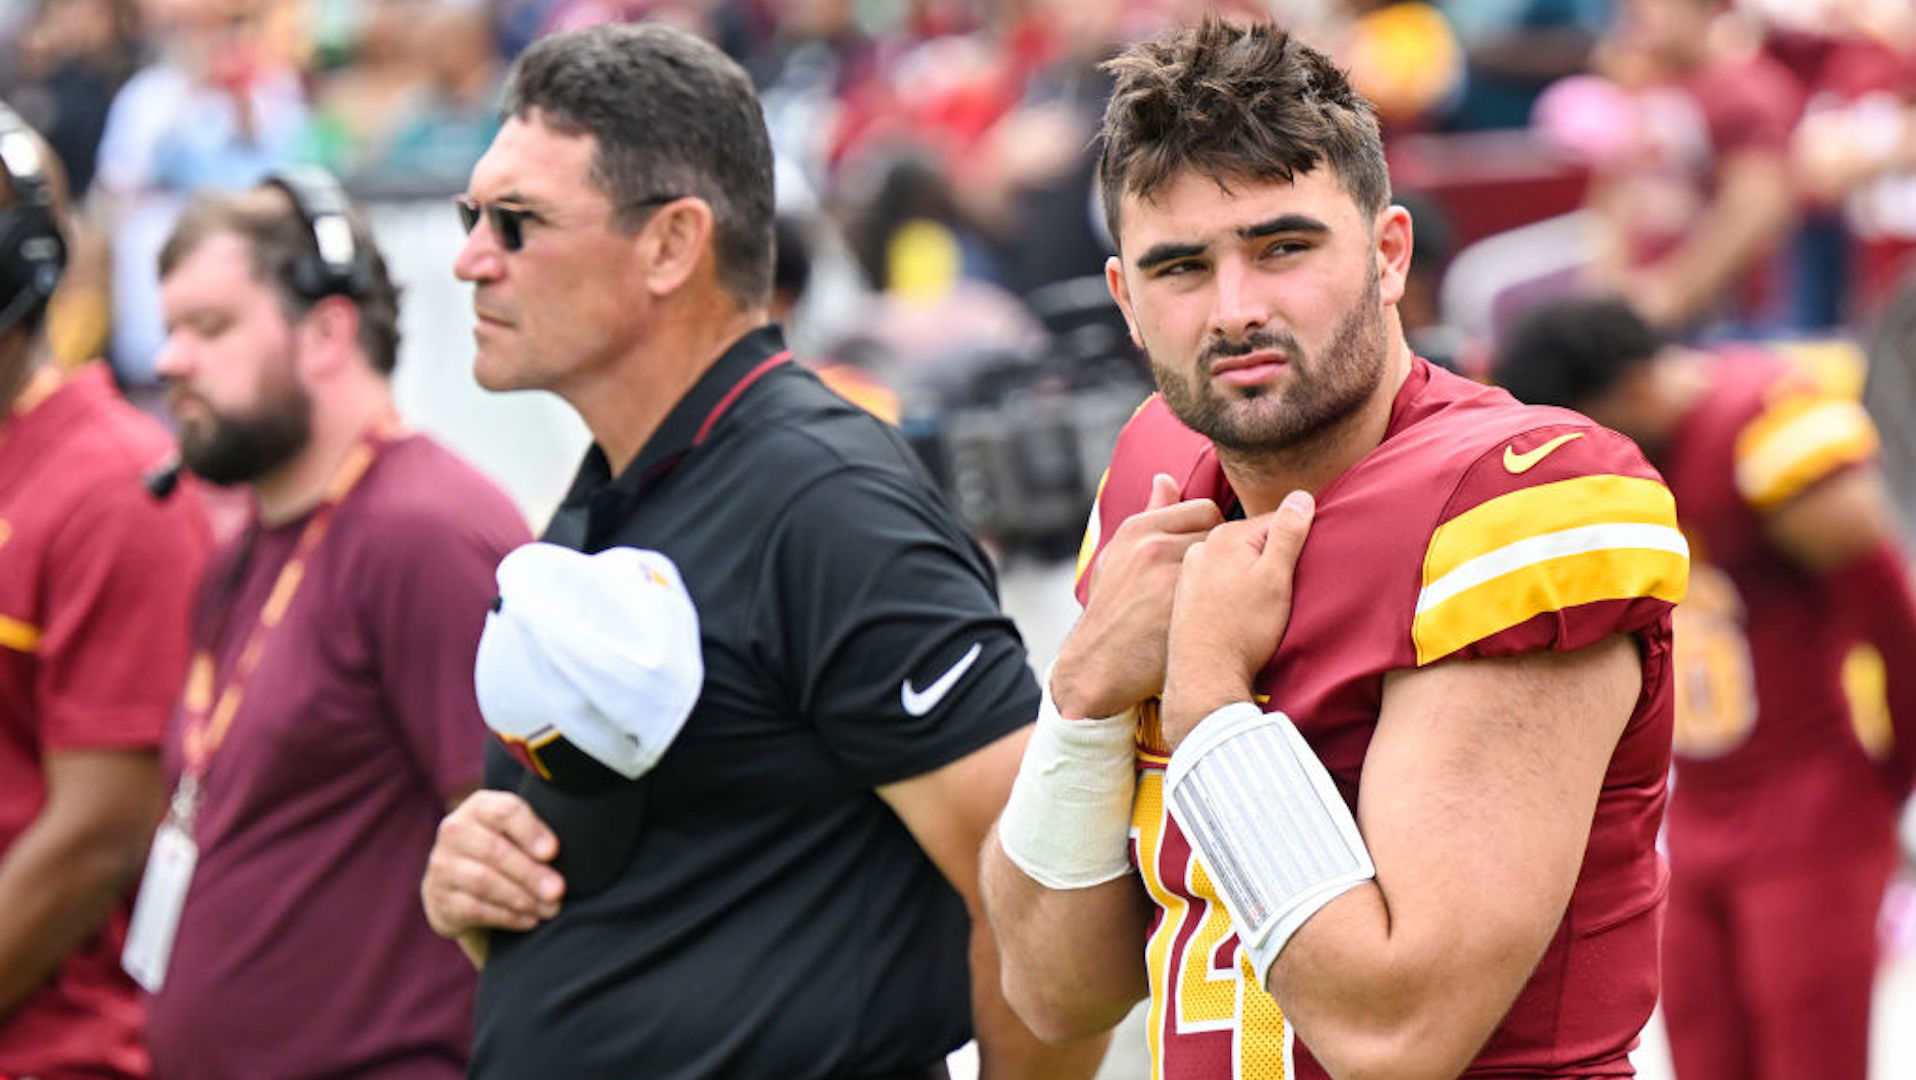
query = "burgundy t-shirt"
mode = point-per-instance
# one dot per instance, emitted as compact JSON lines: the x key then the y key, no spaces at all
{"x":302,"y":950}
{"x":96,"y":592}
{"x":1687,"y":130}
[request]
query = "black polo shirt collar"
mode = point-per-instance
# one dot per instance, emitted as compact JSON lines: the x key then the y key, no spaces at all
{"x":597,"y":499}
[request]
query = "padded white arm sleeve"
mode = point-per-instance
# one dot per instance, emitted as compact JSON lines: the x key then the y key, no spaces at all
{"x":1265,"y":817}
{"x":1067,"y":824}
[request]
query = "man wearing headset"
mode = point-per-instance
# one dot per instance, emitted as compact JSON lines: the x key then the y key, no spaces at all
{"x":96,"y":581}
{"x":328,"y":717}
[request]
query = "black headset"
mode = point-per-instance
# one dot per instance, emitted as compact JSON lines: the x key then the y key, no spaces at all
{"x":337,"y":265}
{"x":32,"y":252}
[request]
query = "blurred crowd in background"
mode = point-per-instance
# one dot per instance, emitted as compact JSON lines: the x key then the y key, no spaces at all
{"x":1741,"y":168}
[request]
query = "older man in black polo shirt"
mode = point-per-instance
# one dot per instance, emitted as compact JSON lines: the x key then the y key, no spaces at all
{"x":782,"y":890}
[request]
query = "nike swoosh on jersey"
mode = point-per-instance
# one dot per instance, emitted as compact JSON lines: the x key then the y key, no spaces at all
{"x":919,"y":702}
{"x":1524,"y":462}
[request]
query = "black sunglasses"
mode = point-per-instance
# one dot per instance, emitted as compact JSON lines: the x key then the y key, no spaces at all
{"x":508,"y":221}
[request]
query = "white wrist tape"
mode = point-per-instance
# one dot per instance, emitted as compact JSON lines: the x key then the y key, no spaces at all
{"x":1264,"y":816}
{"x":1067,"y":824}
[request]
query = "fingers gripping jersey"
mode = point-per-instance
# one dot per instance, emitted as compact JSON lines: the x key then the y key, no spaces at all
{"x":1478,"y":528}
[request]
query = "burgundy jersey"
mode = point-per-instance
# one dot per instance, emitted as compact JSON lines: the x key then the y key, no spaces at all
{"x":1478,"y":528}
{"x":96,"y":594}
{"x":1769,"y":765}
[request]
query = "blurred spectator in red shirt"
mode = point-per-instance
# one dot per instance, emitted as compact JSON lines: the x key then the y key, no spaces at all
{"x":1694,"y":211}
{"x":96,"y":587}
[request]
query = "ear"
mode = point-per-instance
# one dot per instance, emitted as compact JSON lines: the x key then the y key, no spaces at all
{"x":1120,"y":292}
{"x":329,"y":336}
{"x":1393,"y":252}
{"x":672,"y":244}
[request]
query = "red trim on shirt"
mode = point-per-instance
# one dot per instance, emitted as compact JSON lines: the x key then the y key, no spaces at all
{"x":732,"y":395}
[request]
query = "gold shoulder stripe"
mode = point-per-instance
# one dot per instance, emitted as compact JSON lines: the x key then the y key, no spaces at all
{"x":1544,"y":509}
{"x":1547,"y":548}
{"x":1797,"y":442}
{"x":1610,"y":573}
{"x":21,"y":637}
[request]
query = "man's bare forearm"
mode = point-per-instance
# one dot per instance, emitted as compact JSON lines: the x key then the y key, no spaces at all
{"x":56,"y":889}
{"x":1007,"y":1048}
{"x":1072,"y":960}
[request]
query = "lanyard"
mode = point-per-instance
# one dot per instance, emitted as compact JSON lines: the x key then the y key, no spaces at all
{"x":208,"y":716}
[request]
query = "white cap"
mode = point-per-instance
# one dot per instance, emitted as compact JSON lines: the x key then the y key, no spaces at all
{"x":600,"y":650}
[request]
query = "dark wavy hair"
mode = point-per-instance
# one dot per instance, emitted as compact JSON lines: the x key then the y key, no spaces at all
{"x":1235,"y":102}
{"x":671,"y":115}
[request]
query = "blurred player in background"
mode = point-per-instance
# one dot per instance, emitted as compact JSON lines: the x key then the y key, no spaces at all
{"x":96,"y":587}
{"x":1782,"y":830}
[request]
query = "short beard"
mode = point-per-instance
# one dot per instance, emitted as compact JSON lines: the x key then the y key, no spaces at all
{"x":227,"y":449}
{"x":1320,"y":394}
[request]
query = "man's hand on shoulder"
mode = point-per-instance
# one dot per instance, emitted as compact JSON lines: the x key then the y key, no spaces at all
{"x":489,"y":870}
{"x":1114,"y":656}
{"x":1233,"y":606}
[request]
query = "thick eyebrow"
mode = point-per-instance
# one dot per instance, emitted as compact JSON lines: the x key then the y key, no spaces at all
{"x":1159,"y":254}
{"x":1284,"y":223}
